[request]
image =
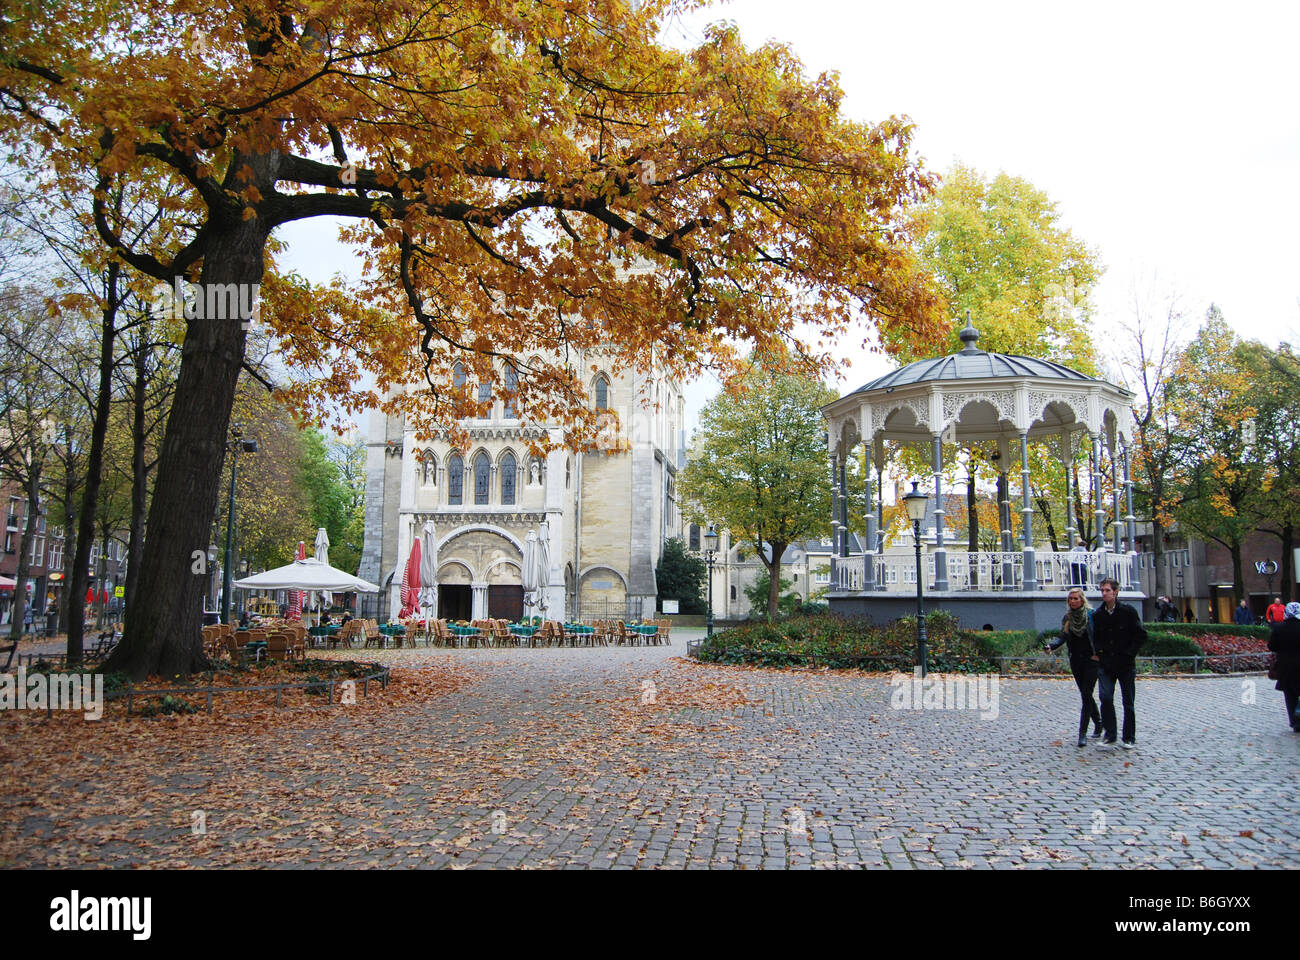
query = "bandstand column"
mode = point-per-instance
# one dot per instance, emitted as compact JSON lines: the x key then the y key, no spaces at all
{"x":1098,"y":504}
{"x":1004,"y":516}
{"x":869,"y":541}
{"x":1130,"y":521}
{"x":1114,"y":483}
{"x":835,"y":526}
{"x":1029,"y":576}
{"x":844,"y":506}
{"x":940,"y":554}
{"x":1067,"y":460}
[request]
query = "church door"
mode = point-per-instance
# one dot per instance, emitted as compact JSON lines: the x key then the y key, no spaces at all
{"x":455,"y":600}
{"x":505,"y":601}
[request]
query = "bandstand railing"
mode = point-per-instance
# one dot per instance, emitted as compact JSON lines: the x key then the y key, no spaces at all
{"x":988,"y":570}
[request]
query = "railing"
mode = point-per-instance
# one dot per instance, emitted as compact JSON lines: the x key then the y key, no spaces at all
{"x":987,"y":570}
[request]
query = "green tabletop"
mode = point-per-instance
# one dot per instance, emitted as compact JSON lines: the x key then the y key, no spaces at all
{"x":464,"y":631}
{"x":645,"y":629}
{"x":522,"y":630}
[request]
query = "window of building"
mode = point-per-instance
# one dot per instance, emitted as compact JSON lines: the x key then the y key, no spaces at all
{"x":733,"y":591}
{"x":9,"y":542}
{"x":482,"y":478}
{"x":823,"y":575}
{"x":38,"y":551}
{"x":455,"y":480}
{"x":1177,"y":558}
{"x":695,"y":537}
{"x":485,"y":395}
{"x":602,"y":394}
{"x":12,"y":522}
{"x":509,"y":474}
{"x":458,"y":375}
{"x":568,"y":473}
{"x":56,"y":555}
{"x":511,"y":382}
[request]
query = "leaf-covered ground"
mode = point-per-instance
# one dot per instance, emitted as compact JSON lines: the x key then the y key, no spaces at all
{"x":634,"y":757}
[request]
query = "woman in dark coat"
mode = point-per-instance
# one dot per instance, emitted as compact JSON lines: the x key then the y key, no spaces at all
{"x":1285,"y":642}
{"x":1076,"y":633}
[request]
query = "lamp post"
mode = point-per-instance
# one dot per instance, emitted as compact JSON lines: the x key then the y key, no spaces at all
{"x":915,"y":503}
{"x":236,"y":445}
{"x":1182,"y":604}
{"x":710,"y":552}
{"x":212,"y":575}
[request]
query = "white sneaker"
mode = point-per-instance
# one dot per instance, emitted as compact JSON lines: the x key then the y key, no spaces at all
{"x":1128,"y":744}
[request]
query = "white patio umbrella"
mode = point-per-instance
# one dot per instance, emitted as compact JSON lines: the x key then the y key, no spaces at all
{"x":323,"y":599}
{"x":543,"y":564}
{"x":308,"y":574}
{"x":428,"y":573}
{"x":528,"y":570}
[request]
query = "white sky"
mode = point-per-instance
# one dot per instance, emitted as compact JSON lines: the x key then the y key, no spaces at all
{"x":1168,"y":134}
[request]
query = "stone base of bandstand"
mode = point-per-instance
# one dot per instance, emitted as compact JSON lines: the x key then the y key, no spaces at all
{"x":1003,"y":610}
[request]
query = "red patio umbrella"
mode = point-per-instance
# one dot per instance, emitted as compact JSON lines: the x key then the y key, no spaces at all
{"x":411,"y":582}
{"x":295,"y":596}
{"x":90,"y":594}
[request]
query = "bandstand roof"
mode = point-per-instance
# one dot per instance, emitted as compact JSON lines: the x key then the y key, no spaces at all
{"x":976,"y":395}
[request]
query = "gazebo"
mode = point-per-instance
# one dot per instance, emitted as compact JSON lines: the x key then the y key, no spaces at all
{"x":968,"y":397}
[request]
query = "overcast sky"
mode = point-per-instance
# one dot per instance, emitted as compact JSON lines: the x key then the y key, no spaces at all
{"x":1168,"y":134}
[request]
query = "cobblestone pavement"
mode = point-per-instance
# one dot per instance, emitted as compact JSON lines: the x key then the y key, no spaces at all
{"x":544,"y":762}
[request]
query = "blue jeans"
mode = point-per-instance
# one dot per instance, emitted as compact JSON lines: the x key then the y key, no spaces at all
{"x":1106,"y":688}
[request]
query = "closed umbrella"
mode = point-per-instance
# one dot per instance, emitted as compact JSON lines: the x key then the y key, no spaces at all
{"x":411,"y":582}
{"x":428,"y":572}
{"x":543,"y":564}
{"x":323,"y":555}
{"x":528,"y":572}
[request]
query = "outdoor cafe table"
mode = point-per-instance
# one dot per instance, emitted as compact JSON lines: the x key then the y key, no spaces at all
{"x":579,"y":629}
{"x":460,"y":631}
{"x":645,"y":629}
{"x":522,"y":629}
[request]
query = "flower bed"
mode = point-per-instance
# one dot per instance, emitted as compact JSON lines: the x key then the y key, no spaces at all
{"x":1219,"y":650}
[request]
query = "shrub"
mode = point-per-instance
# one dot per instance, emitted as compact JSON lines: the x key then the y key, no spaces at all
{"x":1219,"y":648}
{"x":1162,"y":644}
{"x":168,"y":705}
{"x":1202,"y":629}
{"x":826,"y":640}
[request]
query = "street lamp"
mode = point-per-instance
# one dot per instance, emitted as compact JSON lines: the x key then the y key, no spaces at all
{"x":915,"y":503}
{"x":236,"y":445}
{"x":1182,"y":604}
{"x":710,"y":551}
{"x":212,"y":574}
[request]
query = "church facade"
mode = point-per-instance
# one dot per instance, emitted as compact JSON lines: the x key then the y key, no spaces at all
{"x":607,"y":512}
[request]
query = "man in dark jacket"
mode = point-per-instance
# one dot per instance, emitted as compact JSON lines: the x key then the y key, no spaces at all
{"x":1285,"y":642}
{"x":1243,"y":616}
{"x":1117,"y":636}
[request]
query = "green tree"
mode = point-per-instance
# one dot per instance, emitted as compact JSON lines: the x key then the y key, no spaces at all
{"x":759,"y":467}
{"x":680,"y":576}
{"x":759,"y":594}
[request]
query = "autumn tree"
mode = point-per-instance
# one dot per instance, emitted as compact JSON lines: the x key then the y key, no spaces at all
{"x":545,"y":177}
{"x":1212,"y":409}
{"x":999,"y":252}
{"x":759,"y":463}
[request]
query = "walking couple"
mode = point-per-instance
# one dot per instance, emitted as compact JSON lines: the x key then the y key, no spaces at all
{"x":1103,"y":646}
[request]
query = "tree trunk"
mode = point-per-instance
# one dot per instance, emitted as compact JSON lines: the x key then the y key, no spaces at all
{"x":77,"y":582}
{"x":774,"y":580}
{"x":162,"y":633}
{"x":139,"y":477}
{"x":32,"y":488}
{"x":1238,"y":581}
{"x":70,"y":520}
{"x":1288,"y":544}
{"x":1157,"y":558}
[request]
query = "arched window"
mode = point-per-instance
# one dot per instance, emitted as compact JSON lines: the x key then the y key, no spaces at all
{"x":458,"y":375}
{"x":695,"y":537}
{"x":455,"y":480}
{"x":485,"y":394}
{"x":509,"y":475}
{"x":568,"y":473}
{"x":428,"y":469}
{"x":482,"y":473}
{"x":511,"y":382}
{"x":602,"y":394}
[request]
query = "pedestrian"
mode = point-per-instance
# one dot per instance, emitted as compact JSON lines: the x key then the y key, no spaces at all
{"x":1117,"y":635}
{"x":1189,"y":615}
{"x":1078,"y":564}
{"x":1285,"y":642}
{"x":1276,"y":611}
{"x":1243,"y":616}
{"x":27,"y":618}
{"x":1077,"y":635}
{"x":1165,"y":612}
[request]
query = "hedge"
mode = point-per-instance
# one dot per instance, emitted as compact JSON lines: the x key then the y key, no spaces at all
{"x":1200,"y":629}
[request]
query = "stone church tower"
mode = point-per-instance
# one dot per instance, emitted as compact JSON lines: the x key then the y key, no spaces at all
{"x":608,"y":512}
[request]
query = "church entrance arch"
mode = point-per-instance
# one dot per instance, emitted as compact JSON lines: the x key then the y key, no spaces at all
{"x":455,"y":598}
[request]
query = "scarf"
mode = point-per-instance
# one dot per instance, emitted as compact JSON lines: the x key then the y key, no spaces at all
{"x":1076,"y":621}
